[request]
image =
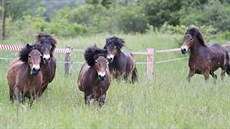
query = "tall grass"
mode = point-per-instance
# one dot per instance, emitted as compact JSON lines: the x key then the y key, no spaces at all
{"x":167,"y":101}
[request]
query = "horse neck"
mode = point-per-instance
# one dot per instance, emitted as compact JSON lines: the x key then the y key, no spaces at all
{"x":195,"y":49}
{"x":118,"y":57}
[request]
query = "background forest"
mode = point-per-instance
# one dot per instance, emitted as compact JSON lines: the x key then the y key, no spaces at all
{"x":71,"y":18}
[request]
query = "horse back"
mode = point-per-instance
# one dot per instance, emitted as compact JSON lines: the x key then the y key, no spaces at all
{"x":130,"y":62}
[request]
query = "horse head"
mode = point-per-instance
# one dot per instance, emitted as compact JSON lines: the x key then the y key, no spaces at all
{"x":48,"y":44}
{"x":113,"y":46}
{"x":191,"y":37}
{"x":32,"y":57}
{"x":96,"y":57}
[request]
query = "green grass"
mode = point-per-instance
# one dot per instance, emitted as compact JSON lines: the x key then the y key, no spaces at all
{"x":168,"y":101}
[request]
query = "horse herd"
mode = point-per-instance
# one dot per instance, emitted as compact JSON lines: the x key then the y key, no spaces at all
{"x":29,"y":74}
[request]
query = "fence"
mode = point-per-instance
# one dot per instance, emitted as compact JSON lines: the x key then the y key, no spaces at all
{"x":150,"y":55}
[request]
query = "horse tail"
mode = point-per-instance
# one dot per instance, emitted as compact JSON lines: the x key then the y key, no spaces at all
{"x":228,"y":64}
{"x":134,"y":75}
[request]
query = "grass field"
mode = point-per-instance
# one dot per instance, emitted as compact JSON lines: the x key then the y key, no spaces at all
{"x":167,"y":101}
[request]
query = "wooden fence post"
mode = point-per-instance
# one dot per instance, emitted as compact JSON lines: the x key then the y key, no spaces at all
{"x":150,"y":63}
{"x":68,"y":61}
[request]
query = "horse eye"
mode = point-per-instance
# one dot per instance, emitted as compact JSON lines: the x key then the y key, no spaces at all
{"x":95,"y":62}
{"x":191,"y":39}
{"x":29,"y":56}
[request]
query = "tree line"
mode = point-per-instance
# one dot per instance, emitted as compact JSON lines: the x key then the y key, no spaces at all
{"x":69,"y":18}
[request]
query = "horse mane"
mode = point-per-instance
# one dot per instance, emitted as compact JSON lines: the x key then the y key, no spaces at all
{"x":23,"y":54}
{"x":91,"y":53}
{"x":119,"y":42}
{"x":196,"y":33}
{"x":47,"y":38}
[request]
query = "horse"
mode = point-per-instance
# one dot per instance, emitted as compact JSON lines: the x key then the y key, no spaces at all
{"x":94,"y":79}
{"x":204,"y":59}
{"x":24,"y":76}
{"x":48,"y":44}
{"x":121,"y":64}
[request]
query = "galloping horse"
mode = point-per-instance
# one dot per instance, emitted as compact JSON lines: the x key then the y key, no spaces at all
{"x":24,"y":76}
{"x":48,"y":44}
{"x":121,"y":64}
{"x":204,"y":59}
{"x":94,"y":79}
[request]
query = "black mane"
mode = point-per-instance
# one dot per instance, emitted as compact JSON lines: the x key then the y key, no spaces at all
{"x":93,"y":53}
{"x":119,"y":42}
{"x":46,"y":38}
{"x":196,"y":33}
{"x":23,"y":54}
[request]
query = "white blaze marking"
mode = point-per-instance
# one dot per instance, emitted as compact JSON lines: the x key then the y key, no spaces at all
{"x":46,"y":56}
{"x":102,"y":74}
{"x":110,"y":56}
{"x":37,"y":66}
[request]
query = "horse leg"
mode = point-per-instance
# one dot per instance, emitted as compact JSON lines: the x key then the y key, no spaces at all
{"x":213,"y":75}
{"x":206,"y":76}
{"x":18,"y":94}
{"x":87,"y":98}
{"x":11,"y":96}
{"x":222,"y":74}
{"x":101,"y":100}
{"x":191,"y":73}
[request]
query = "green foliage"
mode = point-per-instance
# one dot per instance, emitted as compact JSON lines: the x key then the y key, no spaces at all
{"x":212,"y":14}
{"x":132,"y":19}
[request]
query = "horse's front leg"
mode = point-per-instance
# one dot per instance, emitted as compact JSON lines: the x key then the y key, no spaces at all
{"x":190,"y":74}
{"x":87,"y":98}
{"x":18,"y":94}
{"x":101,"y":99}
{"x":222,"y":74}
{"x":206,"y":76}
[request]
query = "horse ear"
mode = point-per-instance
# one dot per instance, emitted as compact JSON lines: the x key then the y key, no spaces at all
{"x":27,"y":45}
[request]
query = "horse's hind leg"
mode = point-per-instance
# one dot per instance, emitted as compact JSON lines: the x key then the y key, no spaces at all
{"x":11,"y":96}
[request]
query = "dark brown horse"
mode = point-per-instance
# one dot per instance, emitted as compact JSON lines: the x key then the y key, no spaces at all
{"x":94,"y":79}
{"x":48,"y":44}
{"x":121,"y":64}
{"x":24,"y":76}
{"x":204,"y":59}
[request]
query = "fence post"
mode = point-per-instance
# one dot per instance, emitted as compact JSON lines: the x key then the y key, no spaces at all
{"x":68,"y":61}
{"x":150,"y":63}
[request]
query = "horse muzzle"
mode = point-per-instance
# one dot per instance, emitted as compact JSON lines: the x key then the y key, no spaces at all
{"x":34,"y":71}
{"x":183,"y":50}
{"x":46,"y":60}
{"x":101,"y":76}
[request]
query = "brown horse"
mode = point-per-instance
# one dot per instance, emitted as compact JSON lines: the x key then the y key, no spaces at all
{"x":204,"y":59}
{"x":121,"y":64}
{"x":48,"y":44}
{"x":24,"y":76}
{"x":94,"y":79}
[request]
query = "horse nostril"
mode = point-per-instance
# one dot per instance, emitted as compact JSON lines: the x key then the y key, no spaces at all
{"x":101,"y":77}
{"x":110,"y":59}
{"x":183,"y":50}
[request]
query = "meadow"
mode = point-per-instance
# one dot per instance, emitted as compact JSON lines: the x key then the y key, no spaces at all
{"x":166,"y":101}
